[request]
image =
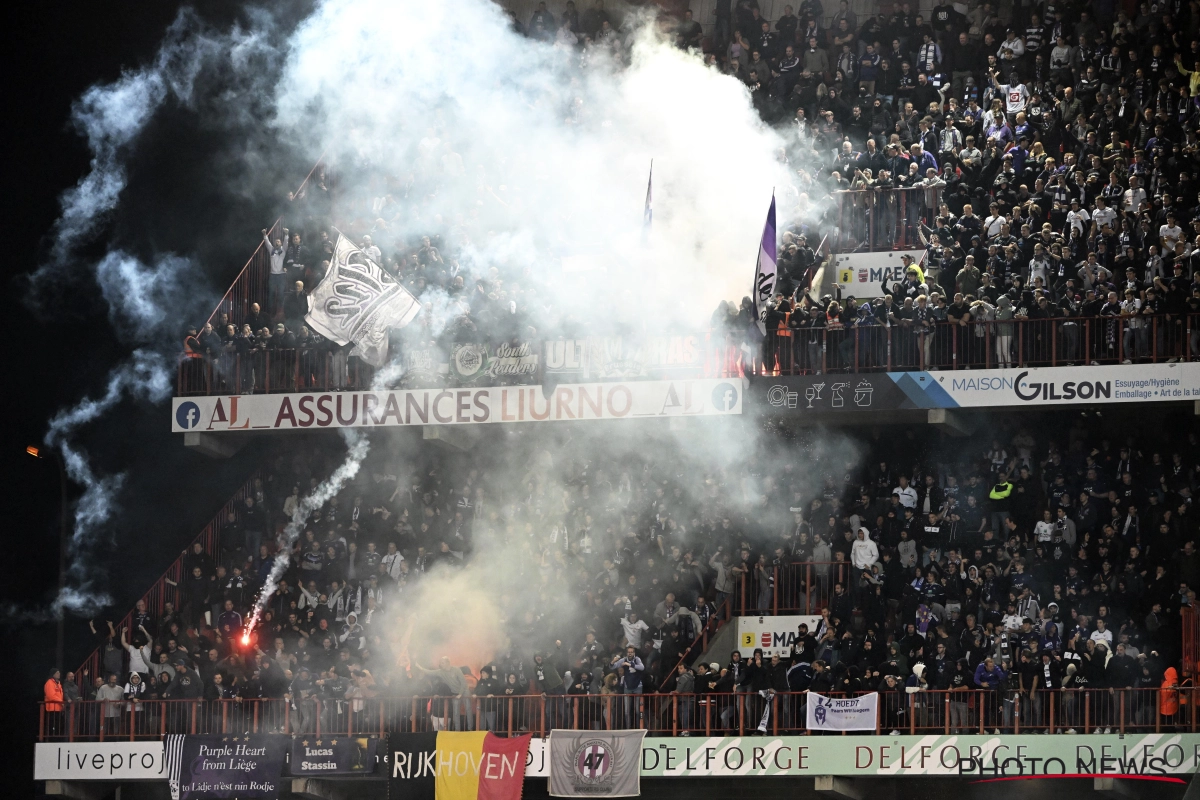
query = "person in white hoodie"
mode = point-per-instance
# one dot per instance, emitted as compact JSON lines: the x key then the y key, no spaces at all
{"x":864,"y":552}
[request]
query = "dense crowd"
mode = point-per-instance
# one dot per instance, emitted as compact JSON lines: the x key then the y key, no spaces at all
{"x":1025,"y":560}
{"x":1055,"y":144}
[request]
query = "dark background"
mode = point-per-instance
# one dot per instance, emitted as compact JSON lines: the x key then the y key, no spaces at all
{"x":175,"y":202}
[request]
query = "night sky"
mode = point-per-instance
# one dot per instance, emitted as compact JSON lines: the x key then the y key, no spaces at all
{"x":53,"y":53}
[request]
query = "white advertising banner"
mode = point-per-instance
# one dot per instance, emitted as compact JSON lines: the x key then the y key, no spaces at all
{"x":774,"y":635}
{"x":860,"y":274}
{"x":467,"y":406}
{"x":842,"y":714}
{"x":98,"y":761}
{"x":1154,"y":383}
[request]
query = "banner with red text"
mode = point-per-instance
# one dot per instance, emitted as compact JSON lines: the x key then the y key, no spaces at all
{"x":593,"y":401}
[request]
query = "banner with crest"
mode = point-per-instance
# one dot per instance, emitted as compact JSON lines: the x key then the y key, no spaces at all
{"x":358,"y":302}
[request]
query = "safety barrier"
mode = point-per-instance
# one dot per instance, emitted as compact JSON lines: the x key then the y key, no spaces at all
{"x":936,"y":711}
{"x":876,"y":219}
{"x":1021,"y":343}
{"x":318,"y":368}
{"x":251,"y":285}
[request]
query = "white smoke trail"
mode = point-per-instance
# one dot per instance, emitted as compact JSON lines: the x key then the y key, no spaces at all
{"x":144,"y":302}
{"x":144,"y":376}
{"x":357,"y":446}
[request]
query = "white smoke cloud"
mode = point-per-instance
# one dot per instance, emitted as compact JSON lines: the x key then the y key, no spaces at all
{"x":357,"y":447}
{"x":554,"y":164}
{"x":567,"y":151}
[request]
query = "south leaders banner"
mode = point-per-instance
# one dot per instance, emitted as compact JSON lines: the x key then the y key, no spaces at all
{"x":842,"y":713}
{"x":595,"y":763}
{"x":225,"y":766}
{"x":313,"y":756}
{"x":982,"y":388}
{"x":596,"y":401}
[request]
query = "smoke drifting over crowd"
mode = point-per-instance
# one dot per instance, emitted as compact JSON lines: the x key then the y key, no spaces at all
{"x":543,"y":157}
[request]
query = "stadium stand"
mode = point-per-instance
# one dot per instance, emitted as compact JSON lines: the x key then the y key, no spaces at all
{"x":1015,"y":581}
{"x":1035,"y":577}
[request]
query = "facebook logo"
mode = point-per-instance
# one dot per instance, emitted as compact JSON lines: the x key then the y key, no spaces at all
{"x":725,"y":397}
{"x":187,"y":415}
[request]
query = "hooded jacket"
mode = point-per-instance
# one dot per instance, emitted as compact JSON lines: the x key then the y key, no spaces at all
{"x":864,"y":552}
{"x":916,"y":682}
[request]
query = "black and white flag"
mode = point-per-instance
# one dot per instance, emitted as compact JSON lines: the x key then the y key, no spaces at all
{"x":358,"y":302}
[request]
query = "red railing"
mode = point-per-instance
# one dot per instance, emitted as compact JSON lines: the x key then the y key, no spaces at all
{"x":870,"y":220}
{"x":266,"y":371}
{"x":988,"y":345}
{"x":805,"y":587}
{"x":1190,"y":623}
{"x":162,"y":592}
{"x":251,"y":284}
{"x":937,"y":711}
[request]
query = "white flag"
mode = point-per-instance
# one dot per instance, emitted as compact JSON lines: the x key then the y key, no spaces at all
{"x":358,"y":302}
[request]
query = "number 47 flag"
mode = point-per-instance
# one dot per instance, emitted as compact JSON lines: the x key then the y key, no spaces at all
{"x":595,"y":763}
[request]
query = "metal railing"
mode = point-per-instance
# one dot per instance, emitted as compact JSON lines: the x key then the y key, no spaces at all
{"x":988,"y":345}
{"x":298,"y":369}
{"x":876,"y":219}
{"x":162,"y":592}
{"x":251,"y":285}
{"x":937,"y":711}
{"x":805,"y":587}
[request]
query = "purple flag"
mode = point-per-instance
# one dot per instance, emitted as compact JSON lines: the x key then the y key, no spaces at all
{"x":765,"y":276}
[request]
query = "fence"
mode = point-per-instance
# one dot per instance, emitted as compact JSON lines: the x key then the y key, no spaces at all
{"x":883,"y":219}
{"x":266,"y":371}
{"x":925,"y":712}
{"x":162,"y":592}
{"x":987,"y":345}
{"x":805,"y":587}
{"x":252,"y":283}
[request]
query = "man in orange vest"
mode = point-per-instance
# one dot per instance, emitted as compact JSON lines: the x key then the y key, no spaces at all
{"x":53,"y":696}
{"x":1168,"y":694}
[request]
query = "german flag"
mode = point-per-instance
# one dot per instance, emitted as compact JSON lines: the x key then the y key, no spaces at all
{"x":480,"y":766}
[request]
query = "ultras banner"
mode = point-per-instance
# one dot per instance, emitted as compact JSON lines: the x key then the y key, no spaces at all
{"x":595,"y":763}
{"x":333,"y":755}
{"x":982,"y":388}
{"x":596,"y":401}
{"x":225,"y":766}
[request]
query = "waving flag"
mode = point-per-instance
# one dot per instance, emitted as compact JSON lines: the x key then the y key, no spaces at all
{"x":648,"y":214}
{"x":358,"y":302}
{"x":765,"y":275}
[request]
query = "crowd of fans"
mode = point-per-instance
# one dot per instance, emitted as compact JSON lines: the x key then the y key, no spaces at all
{"x":1025,"y":560}
{"x":1056,"y":147}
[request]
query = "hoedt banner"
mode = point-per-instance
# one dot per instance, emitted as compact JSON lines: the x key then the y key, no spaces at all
{"x":842,"y":714}
{"x":595,"y":763}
